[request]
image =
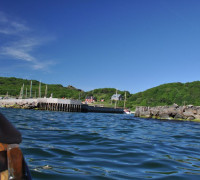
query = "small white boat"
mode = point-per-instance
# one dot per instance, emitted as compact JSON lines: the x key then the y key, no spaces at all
{"x":127,"y":111}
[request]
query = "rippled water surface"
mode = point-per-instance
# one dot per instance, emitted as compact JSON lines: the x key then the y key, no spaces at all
{"x":60,"y":145}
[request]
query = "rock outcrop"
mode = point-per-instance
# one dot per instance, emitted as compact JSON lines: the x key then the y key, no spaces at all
{"x":189,"y":112}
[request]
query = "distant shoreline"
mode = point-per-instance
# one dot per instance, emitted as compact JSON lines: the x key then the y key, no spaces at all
{"x":55,"y":104}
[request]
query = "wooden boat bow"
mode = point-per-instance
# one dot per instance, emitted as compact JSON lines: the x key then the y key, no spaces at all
{"x":12,"y":163}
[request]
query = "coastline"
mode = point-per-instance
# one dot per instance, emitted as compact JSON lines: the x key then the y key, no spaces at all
{"x":174,"y":112}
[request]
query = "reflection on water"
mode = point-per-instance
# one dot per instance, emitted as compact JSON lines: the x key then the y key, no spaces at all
{"x":60,"y":145}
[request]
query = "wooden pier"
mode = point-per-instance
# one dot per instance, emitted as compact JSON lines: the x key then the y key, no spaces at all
{"x":54,"y":104}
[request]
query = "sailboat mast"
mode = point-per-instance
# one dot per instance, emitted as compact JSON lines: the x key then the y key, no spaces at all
{"x":46,"y":91}
{"x":125,"y":100}
{"x":21,"y":92}
{"x":39,"y":91}
{"x":116,"y":100}
{"x":26,"y":92}
{"x":31,"y":90}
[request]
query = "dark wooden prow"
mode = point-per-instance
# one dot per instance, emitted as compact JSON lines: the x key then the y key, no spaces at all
{"x":8,"y":133}
{"x":10,"y":138}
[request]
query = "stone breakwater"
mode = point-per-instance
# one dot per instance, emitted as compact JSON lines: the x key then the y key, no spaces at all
{"x":189,"y":112}
{"x":19,"y":103}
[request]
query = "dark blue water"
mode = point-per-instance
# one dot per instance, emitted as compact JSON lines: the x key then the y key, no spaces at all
{"x":59,"y":145}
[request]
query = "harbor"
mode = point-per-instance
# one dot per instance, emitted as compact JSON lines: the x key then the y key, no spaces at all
{"x":56,"y":104}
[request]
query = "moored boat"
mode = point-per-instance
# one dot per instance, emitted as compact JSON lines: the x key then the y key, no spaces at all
{"x":127,"y":111}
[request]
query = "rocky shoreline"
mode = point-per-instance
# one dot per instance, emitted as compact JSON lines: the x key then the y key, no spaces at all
{"x":175,"y":112}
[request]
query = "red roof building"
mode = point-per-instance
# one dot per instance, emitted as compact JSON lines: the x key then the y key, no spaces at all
{"x":90,"y":99}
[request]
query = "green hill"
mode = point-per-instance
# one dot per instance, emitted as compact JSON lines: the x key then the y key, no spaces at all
{"x":13,"y":86}
{"x":166,"y":94}
{"x":106,"y":93}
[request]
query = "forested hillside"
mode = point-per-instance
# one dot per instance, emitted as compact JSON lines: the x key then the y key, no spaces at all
{"x":166,"y":94}
{"x":13,"y":86}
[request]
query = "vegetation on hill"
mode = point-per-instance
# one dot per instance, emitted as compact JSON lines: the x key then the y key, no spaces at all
{"x":12,"y":86}
{"x":166,"y":94}
{"x":106,"y":93}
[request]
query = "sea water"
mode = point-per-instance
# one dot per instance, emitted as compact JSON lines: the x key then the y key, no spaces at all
{"x":60,"y":145}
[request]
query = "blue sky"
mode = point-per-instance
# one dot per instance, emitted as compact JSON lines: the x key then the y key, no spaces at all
{"x":126,"y":44}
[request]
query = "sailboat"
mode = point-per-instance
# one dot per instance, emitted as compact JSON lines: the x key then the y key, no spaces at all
{"x":126,"y":111}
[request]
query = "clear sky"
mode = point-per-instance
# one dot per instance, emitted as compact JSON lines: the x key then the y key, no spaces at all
{"x":125,"y":44}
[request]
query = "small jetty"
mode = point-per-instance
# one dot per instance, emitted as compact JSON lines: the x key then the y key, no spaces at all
{"x":86,"y":108}
{"x":55,"y":104}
